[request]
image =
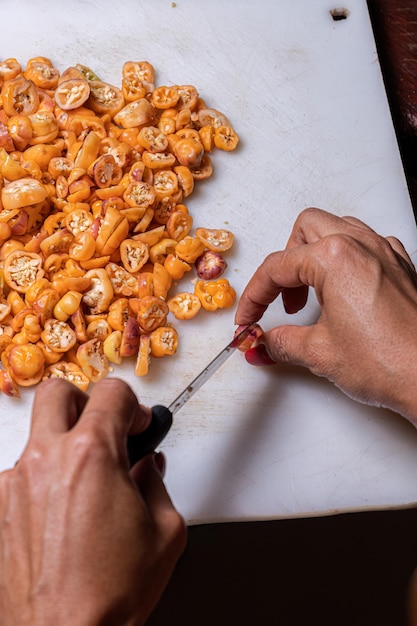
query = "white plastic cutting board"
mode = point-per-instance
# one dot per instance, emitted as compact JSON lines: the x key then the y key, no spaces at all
{"x":306,"y":96}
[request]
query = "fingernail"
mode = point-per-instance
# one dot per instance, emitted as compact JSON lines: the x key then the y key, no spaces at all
{"x":160,"y":462}
{"x":258,"y":355}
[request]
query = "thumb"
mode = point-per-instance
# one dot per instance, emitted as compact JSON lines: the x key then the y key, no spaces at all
{"x":283,"y":344}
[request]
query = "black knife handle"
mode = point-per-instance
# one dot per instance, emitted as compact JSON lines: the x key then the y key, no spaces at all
{"x":144,"y":443}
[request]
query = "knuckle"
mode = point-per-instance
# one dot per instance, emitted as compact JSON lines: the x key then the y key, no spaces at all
{"x":32,"y":469}
{"x":91,"y":444}
{"x":53,"y":385}
{"x":307,"y":217}
{"x":337,"y":246}
{"x":33,"y":461}
{"x":307,"y":214}
{"x":117,"y":386}
{"x":341,"y":254}
{"x":346,"y":253}
{"x":270,"y":259}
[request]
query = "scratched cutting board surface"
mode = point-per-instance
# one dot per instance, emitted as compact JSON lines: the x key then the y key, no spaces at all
{"x":306,"y":96}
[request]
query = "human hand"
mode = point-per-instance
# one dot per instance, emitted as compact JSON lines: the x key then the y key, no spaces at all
{"x":364,"y":340}
{"x":82,"y":539}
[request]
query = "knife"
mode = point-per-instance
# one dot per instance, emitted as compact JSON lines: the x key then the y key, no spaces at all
{"x":144,"y":443}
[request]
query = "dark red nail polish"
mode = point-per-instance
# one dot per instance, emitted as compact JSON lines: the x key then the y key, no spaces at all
{"x":258,"y":355}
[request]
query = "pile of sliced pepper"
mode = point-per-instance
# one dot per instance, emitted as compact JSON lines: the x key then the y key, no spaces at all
{"x":94,"y":231}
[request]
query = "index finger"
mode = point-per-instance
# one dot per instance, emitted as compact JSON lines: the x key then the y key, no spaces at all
{"x":279,"y":271}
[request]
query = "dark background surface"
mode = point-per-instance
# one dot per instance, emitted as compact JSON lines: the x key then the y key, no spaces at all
{"x":342,"y":570}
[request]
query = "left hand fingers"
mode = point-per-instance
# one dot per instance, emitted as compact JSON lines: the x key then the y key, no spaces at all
{"x":114,"y":410}
{"x":278,"y":272}
{"x":112,"y":407}
{"x":394,"y":242}
{"x":294,"y":299}
{"x":314,"y":224}
{"x":57,"y":406}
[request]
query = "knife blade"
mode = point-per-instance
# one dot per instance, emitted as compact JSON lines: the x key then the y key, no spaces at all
{"x":144,"y":443}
